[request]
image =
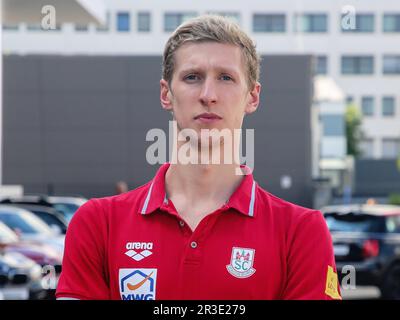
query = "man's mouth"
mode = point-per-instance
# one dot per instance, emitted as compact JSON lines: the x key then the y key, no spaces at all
{"x":208,"y":117}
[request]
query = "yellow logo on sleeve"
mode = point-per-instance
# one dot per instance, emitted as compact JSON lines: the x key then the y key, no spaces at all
{"x":332,"y":284}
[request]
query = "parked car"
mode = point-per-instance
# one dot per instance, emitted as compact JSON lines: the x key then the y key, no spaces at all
{"x":65,"y":205}
{"x":22,"y":277}
{"x":30,"y":228}
{"x":368,"y":238}
{"x":42,"y":254}
{"x":53,"y":218}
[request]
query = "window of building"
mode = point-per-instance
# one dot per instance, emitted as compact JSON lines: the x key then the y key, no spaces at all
{"x":364,"y":23}
{"x":106,"y":26}
{"x":322,"y":65}
{"x":144,"y":22}
{"x":367,"y":148}
{"x":388,"y":106}
{"x":333,"y":125}
{"x":349,"y":100}
{"x":123,"y":21}
{"x":357,"y":64}
{"x":173,"y":20}
{"x":269,"y":23}
{"x":391,"y":22}
{"x":311,"y":23}
{"x":38,"y":27}
{"x":367,"y":106}
{"x":391,"y":64}
{"x":81,"y":27}
{"x":10,"y":27}
{"x":390,"y":148}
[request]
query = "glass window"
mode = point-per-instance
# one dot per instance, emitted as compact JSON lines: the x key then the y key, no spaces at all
{"x":10,"y":27}
{"x":312,"y":23}
{"x":355,"y":222}
{"x":106,"y":25}
{"x":333,"y":125}
{"x":349,"y":99}
{"x":123,"y":21}
{"x":364,"y":23}
{"x":367,"y":106}
{"x":391,"y":64}
{"x":357,"y":64}
{"x":26,"y":222}
{"x":322,"y":65}
{"x":391,"y":22}
{"x":393,"y":224}
{"x":367,"y":148}
{"x":144,"y":22}
{"x":388,"y":106}
{"x":269,"y":23}
{"x":390,"y":148}
{"x":173,"y":20}
{"x":38,"y":27}
{"x":81,"y":27}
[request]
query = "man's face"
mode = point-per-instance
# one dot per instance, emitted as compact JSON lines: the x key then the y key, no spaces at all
{"x":209,"y":87}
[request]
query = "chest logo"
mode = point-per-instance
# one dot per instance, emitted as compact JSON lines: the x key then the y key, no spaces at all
{"x":242,"y":260}
{"x":137,"y":284}
{"x":139,"y":250}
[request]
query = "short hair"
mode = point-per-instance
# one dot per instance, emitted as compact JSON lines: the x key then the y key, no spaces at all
{"x":212,"y":28}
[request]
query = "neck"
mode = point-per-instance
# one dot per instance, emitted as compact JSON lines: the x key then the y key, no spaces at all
{"x":197,"y":183}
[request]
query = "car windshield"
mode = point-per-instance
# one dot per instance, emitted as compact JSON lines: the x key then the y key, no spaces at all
{"x":26,"y":222}
{"x":6,"y":234}
{"x":67,"y":209}
{"x":355,"y":222}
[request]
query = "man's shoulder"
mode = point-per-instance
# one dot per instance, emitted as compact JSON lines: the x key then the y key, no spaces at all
{"x":104,"y":206}
{"x":281,"y":207}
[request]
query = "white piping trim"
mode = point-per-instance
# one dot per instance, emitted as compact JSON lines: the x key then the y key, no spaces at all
{"x":253,"y":195}
{"x":146,"y":202}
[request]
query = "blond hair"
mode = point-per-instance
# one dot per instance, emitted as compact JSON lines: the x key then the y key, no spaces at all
{"x":217,"y":29}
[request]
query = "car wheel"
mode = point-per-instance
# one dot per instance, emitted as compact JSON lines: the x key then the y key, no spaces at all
{"x":391,"y":284}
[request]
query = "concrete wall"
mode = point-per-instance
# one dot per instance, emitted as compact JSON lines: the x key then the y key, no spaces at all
{"x":77,"y":124}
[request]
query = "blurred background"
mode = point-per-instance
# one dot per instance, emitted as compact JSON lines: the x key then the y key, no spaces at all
{"x":79,"y":90}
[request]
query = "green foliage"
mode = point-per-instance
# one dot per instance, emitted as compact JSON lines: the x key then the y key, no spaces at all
{"x":353,"y":130}
{"x":394,"y":198}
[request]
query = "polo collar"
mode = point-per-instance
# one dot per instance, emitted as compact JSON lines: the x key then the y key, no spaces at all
{"x":242,"y":199}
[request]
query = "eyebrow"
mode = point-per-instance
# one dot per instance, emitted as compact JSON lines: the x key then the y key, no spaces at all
{"x":222,"y":69}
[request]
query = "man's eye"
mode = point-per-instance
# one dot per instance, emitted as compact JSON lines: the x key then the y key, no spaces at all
{"x":226,"y":78}
{"x":191,"y":77}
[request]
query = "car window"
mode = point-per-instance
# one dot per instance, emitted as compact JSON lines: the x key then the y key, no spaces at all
{"x":26,"y":222}
{"x":393,"y":224}
{"x":51,"y":220}
{"x":355,"y":222}
{"x":67,"y":209}
{"x":6,"y":234}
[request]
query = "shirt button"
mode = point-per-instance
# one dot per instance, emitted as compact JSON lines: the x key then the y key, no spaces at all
{"x":193,"y":244}
{"x":182,"y":223}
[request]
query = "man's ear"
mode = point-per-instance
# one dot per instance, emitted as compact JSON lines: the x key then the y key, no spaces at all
{"x":253,"y":99}
{"x":165,"y":95}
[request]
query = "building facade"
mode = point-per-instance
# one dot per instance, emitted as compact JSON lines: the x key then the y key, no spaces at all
{"x":356,"y":43}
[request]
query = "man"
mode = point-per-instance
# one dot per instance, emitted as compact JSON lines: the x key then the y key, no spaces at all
{"x":198,"y":230}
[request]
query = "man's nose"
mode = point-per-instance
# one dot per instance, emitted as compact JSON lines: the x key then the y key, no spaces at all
{"x":208,"y":94}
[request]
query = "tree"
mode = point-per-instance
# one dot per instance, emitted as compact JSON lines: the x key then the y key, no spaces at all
{"x":353,"y":130}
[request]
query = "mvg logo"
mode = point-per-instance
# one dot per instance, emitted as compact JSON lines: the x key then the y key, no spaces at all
{"x":137,"y":284}
{"x":145,"y":248}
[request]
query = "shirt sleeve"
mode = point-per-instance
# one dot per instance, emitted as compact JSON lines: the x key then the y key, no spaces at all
{"x":84,"y":267}
{"x":311,"y":268}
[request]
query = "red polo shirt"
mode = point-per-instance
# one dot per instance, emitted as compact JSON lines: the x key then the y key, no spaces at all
{"x":257,"y":246}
